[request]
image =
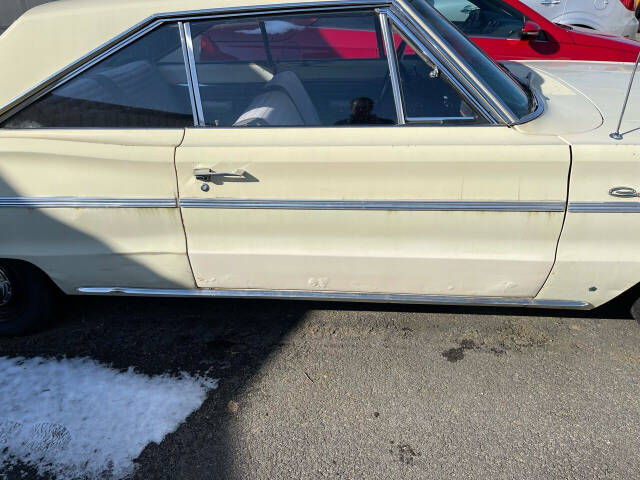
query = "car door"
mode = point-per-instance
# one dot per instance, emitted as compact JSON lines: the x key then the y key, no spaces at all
{"x":87,"y":178}
{"x":309,"y":176}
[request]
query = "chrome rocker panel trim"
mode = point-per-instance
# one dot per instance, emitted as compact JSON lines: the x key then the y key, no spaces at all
{"x":373,"y":205}
{"x":73,"y":202}
{"x":340,"y":296}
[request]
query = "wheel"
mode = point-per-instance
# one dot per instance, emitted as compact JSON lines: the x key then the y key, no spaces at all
{"x":26,"y":298}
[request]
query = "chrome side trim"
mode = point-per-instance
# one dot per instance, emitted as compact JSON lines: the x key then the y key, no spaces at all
{"x":193,"y":76}
{"x":96,"y":202}
{"x":80,"y":202}
{"x":341,"y":296}
{"x":604,"y":207}
{"x":393,"y":66}
{"x":373,"y":205}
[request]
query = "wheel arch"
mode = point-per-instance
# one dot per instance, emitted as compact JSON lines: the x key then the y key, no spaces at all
{"x":17,"y":262}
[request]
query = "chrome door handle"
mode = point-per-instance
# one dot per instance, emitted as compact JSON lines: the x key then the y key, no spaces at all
{"x":624,"y":192}
{"x":208,"y":175}
{"x":550,"y":2}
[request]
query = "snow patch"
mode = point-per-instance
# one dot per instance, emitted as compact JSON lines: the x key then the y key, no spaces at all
{"x":76,"y":418}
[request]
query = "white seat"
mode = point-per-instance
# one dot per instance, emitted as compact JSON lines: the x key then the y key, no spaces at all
{"x":283,"y":102}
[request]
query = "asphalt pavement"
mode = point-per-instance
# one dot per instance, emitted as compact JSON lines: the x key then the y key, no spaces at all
{"x":353,"y":391}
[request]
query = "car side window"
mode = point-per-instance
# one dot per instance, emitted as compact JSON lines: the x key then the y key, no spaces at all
{"x":294,"y":70}
{"x":427,"y":93}
{"x":482,"y":18}
{"x":134,"y":87}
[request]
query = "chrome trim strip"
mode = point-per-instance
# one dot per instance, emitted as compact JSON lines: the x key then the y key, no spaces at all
{"x":342,"y":296}
{"x":373,"y":205}
{"x":393,"y":66}
{"x":189,"y":84}
{"x":276,"y":9}
{"x":438,"y":119}
{"x":604,"y":207}
{"x":86,"y":202}
{"x":536,"y":112}
{"x":193,"y":70}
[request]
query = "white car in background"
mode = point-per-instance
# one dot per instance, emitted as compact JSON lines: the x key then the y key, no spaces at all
{"x":615,"y":17}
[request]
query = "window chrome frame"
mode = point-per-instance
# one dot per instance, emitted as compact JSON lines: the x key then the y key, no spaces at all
{"x":192,"y":74}
{"x":392,"y":60}
{"x":427,"y":55}
{"x":450,"y":61}
{"x":396,"y":11}
{"x":185,"y":57}
{"x":440,"y":48}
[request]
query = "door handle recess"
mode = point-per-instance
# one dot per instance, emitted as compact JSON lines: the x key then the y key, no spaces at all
{"x":208,"y":175}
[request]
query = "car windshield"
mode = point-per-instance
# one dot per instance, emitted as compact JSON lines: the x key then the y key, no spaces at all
{"x":514,"y":95}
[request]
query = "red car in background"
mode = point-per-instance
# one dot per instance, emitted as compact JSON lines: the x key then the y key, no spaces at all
{"x":505,"y":29}
{"x":510,"y":30}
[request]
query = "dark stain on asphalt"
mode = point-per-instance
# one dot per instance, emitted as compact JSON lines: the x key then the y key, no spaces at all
{"x":454,"y":355}
{"x":468,"y":344}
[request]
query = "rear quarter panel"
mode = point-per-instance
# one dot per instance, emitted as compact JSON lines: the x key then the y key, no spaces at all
{"x":93,"y":246}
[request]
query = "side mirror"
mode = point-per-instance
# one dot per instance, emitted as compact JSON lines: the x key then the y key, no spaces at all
{"x":530,"y":31}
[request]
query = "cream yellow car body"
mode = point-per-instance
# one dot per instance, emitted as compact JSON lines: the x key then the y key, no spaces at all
{"x":569,"y":254}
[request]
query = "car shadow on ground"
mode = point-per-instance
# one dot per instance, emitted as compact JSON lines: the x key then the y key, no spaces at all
{"x":228,"y":339}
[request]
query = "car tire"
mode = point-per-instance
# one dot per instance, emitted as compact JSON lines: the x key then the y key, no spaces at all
{"x":26,"y":298}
